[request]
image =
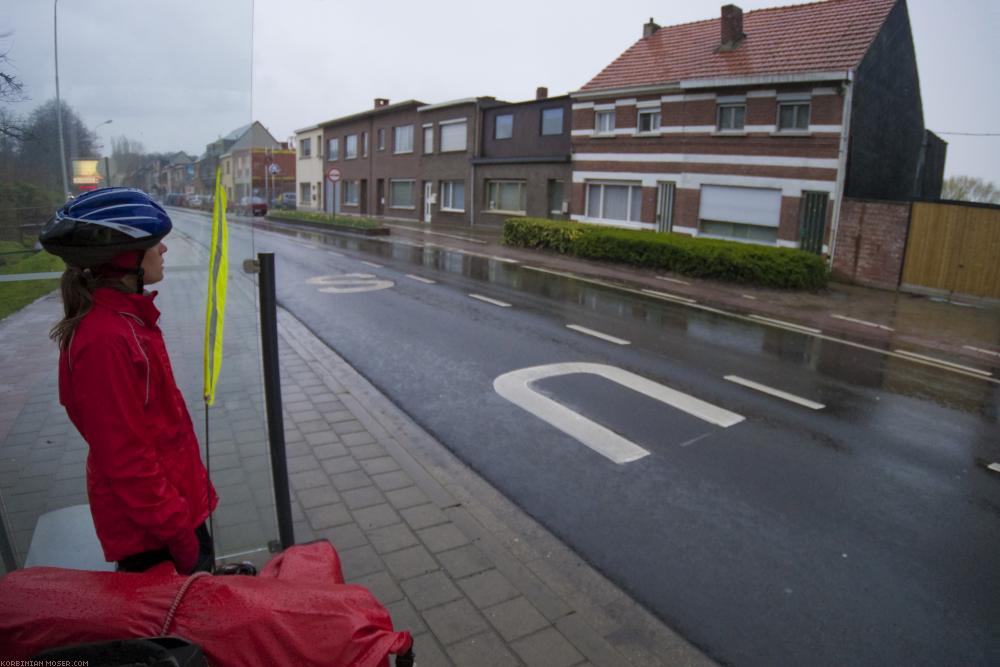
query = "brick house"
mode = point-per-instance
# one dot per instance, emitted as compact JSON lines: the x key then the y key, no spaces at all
{"x":262,"y":166}
{"x":523,"y":166}
{"x":375,"y":152}
{"x":755,"y":127}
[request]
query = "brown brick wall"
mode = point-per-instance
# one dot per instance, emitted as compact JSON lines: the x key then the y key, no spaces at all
{"x":626,"y":116}
{"x":686,"y":203}
{"x":788,"y":222}
{"x":871,"y":241}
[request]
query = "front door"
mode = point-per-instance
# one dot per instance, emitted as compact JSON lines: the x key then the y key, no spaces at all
{"x":428,"y":199}
{"x":380,"y":196}
{"x":813,"y":221}
{"x":363,"y":193}
{"x":665,"y":206}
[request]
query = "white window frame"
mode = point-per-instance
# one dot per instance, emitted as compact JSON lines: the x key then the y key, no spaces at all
{"x":599,"y":117}
{"x":496,"y":126}
{"x":305,"y":147}
{"x":333,"y":149}
{"x":654,"y":126}
{"x":349,"y":188}
{"x":794,"y":103}
{"x":428,"y":146}
{"x":449,"y":125}
{"x":448,"y":196}
{"x":305,"y":191}
{"x":398,"y":133}
{"x":413,"y":198}
{"x":351,"y":147}
{"x":629,"y":217}
{"x":562,"y":122}
{"x":720,"y":112}
{"x":490,"y":203}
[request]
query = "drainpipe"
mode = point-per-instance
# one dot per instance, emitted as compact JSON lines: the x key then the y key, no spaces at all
{"x":845,"y":136}
{"x":472,"y":165}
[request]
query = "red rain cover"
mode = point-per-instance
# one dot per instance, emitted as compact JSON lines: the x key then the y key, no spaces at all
{"x":297,"y":611}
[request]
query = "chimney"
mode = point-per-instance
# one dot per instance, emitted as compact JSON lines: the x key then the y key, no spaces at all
{"x":649,"y":28}
{"x":541,"y":93}
{"x":381,"y":102}
{"x":732,"y":27}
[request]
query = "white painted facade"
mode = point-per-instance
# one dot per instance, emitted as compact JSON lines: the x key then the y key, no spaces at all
{"x":309,"y":172}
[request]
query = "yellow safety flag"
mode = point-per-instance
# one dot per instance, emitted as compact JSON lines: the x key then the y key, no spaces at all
{"x":218,"y":272}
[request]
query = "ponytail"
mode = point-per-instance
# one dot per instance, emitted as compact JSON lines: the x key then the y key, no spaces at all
{"x":77,"y":286}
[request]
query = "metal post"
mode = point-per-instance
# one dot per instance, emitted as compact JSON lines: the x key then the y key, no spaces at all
{"x":62,"y":144}
{"x":107,"y":170}
{"x":6,"y":549}
{"x":272,"y":397}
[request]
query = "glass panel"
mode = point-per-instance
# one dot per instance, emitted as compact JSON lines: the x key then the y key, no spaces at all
{"x":552,"y":121}
{"x":616,"y":202}
{"x":605,"y":121}
{"x":504,"y":126}
{"x":401,"y":194}
{"x":739,"y":113}
{"x":555,"y":196}
{"x":458,"y":196}
{"x":453,"y":137}
{"x":429,"y":140}
{"x":510,"y":197}
{"x":351,"y":147}
{"x":635,"y":211}
{"x":139,"y":110}
{"x":593,"y":200}
{"x":333,"y":149}
{"x":802,"y":118}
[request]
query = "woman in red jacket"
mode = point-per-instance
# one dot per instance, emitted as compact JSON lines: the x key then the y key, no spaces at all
{"x":149,"y":491}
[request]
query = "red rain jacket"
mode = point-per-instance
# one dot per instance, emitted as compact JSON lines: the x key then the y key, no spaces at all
{"x":298,"y":611}
{"x":145,"y":479}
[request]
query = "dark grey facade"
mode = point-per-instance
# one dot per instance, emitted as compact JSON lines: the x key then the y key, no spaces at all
{"x":524,"y":167}
{"x":887,"y":119}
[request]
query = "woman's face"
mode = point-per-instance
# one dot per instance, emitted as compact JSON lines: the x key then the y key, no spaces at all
{"x":152,"y":264}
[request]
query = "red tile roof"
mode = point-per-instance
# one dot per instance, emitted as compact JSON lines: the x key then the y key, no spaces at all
{"x":818,"y":37}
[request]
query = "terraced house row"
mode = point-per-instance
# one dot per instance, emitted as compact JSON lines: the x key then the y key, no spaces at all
{"x":753,"y":127}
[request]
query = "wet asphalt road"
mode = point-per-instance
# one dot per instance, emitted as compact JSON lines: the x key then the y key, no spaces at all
{"x":861,"y":533}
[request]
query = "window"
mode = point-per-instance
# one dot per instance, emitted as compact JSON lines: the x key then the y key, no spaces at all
{"x":402,"y":139}
{"x":503,"y":127}
{"x":731,"y":117}
{"x":507,"y":196}
{"x":614,"y":201}
{"x":649,"y":120}
{"x":333,"y":149}
{"x":453,"y":195}
{"x":401,"y":192}
{"x":351,"y":147}
{"x":227,"y":168}
{"x":453,"y":136}
{"x":305,"y":192}
{"x":305,"y":147}
{"x":742,"y":214}
{"x":381,"y":138}
{"x":351,"y":193}
{"x":429,"y":139}
{"x":555,"y":197}
{"x":604,"y":122}
{"x":364,"y":144}
{"x":552,"y":121}
{"x":793,"y":116}
{"x":319,"y":145}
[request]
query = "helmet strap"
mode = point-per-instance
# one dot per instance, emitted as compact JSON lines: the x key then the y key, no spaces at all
{"x":139,"y":273}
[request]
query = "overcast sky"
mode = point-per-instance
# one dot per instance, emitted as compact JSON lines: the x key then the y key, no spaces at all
{"x":176,"y":75}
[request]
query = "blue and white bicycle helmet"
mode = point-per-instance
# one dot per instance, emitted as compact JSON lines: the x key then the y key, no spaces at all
{"x":94,"y":228}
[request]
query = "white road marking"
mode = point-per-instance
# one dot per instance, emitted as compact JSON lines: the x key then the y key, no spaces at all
{"x":373,"y":264}
{"x":673,"y":280}
{"x":349,"y":283}
{"x":864,"y":322}
{"x":419,"y":279}
{"x":944,"y":364}
{"x":426,"y":231}
{"x":979,"y":349}
{"x":995,"y":467}
{"x":495,"y":302}
{"x":775,"y":392}
{"x":787,"y":325}
{"x":694,"y":440}
{"x":597,"y":334}
{"x":756,"y":319}
{"x":671,"y":297}
{"x":515,"y":387}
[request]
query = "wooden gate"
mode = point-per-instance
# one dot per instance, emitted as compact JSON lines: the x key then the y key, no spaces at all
{"x":954,"y":248}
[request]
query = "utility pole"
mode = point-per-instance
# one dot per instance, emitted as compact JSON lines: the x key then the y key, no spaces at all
{"x":62,"y":143}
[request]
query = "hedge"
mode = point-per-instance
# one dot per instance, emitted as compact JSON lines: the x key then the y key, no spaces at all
{"x":326,"y":218}
{"x":766,"y":266}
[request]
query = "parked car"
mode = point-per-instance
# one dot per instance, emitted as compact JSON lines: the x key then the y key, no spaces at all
{"x":194,"y":201}
{"x":252,"y":206}
{"x":285,"y":201}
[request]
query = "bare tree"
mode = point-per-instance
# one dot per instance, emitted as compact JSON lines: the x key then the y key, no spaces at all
{"x":970,"y":188}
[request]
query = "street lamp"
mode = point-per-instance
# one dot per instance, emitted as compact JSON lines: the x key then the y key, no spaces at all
{"x":62,"y":143}
{"x":107,"y":161}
